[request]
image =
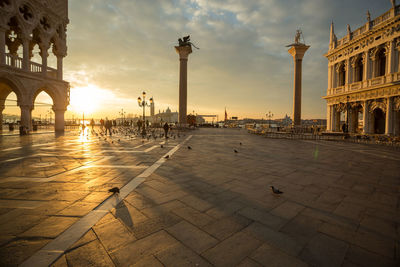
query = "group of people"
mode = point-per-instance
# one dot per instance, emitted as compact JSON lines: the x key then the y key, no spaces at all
{"x":108,"y":124}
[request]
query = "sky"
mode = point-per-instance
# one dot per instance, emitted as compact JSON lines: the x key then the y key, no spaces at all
{"x":119,"y":48}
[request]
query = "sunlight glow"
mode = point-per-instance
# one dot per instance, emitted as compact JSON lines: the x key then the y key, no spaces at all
{"x":88,"y":99}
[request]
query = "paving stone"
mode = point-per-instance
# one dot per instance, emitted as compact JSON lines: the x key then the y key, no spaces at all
{"x":341,"y":232}
{"x":192,"y":236}
{"x":193,"y":216}
{"x":91,"y":254}
{"x":275,"y":238}
{"x":265,"y":218}
{"x":196,"y":203}
{"x":375,"y":243}
{"x":155,"y":224}
{"x":60,"y":262}
{"x":148,"y":261}
{"x":227,"y":226}
{"x":50,"y":227}
{"x":15,"y":252}
{"x":135,"y":251}
{"x":159,"y":210}
{"x":351,"y":211}
{"x":379,"y":226}
{"x":302,"y":228}
{"x":128,"y":214}
{"x":78,"y":209}
{"x":19,"y":224}
{"x":86,"y":238}
{"x":362,"y":257}
{"x":287,"y":210}
{"x":232,"y":250}
{"x":323,"y":250}
{"x":113,"y":234}
{"x":270,"y":256}
{"x":249,"y":263}
{"x":180,"y":256}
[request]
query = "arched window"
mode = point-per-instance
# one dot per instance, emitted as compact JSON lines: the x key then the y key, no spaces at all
{"x":358,"y":70}
{"x":380,"y":63}
{"x":341,"y":75}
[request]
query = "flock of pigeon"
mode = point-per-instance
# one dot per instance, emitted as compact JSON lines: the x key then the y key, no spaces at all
{"x":130,"y":133}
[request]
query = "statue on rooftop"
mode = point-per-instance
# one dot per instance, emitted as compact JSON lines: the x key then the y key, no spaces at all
{"x":368,"y":16}
{"x":393,"y":3}
{"x":297,"y":37}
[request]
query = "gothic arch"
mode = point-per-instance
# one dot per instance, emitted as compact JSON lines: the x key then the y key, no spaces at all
{"x":13,"y":85}
{"x":51,"y":91}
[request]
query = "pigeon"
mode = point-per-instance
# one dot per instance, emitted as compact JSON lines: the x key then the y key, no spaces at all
{"x":162,"y":146}
{"x":114,"y":190}
{"x":240,"y":143}
{"x":236,"y":151}
{"x":119,"y":140}
{"x":276,"y":190}
{"x":167,"y":157}
{"x":112,"y":142}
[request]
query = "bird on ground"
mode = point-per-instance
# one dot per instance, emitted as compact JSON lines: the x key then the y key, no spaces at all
{"x":162,"y":146}
{"x":112,"y":142}
{"x":189,"y":147}
{"x":114,"y":190}
{"x":119,"y":140}
{"x":276,"y":190}
{"x":240,"y":143}
{"x":167,"y":157}
{"x":236,"y":151}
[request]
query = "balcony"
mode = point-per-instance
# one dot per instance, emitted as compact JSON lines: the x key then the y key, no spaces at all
{"x":16,"y":62}
{"x":374,"y":82}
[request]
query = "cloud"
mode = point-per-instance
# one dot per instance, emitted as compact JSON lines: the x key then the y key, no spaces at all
{"x":127,"y":46}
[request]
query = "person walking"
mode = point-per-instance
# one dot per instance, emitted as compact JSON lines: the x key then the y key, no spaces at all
{"x":166,"y":128}
{"x":108,"y":126}
{"x":139,"y":125}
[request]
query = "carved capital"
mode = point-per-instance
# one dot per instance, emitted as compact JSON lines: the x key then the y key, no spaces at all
{"x":396,"y":103}
{"x":378,"y":103}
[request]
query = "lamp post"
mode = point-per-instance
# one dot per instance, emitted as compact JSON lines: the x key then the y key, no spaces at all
{"x":122,"y":113}
{"x":269,"y":116}
{"x":143,"y":103}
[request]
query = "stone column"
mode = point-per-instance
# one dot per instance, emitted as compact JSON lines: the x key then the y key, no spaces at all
{"x":2,"y":45}
{"x":60,"y":67}
{"x":390,"y":59}
{"x":353,"y":122}
{"x":26,"y":57}
{"x":365,"y":61}
{"x":297,"y":51}
{"x":334,"y":76}
{"x":389,"y":116}
{"x":1,"y":117}
{"x":347,"y":66}
{"x":26,"y":116}
{"x":365,"y":117}
{"x":59,"y":119}
{"x":183,"y":52}
{"x":328,"y":118}
{"x":44,"y":47}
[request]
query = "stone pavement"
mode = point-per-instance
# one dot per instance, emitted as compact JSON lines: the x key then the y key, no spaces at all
{"x":201,"y":207}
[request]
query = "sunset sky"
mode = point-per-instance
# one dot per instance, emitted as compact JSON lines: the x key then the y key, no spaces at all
{"x":118,"y":48}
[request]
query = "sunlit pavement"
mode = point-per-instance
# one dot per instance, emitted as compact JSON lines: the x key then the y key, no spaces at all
{"x":201,"y":206}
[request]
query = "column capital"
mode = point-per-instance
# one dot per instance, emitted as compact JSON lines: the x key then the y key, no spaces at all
{"x":298,"y":50}
{"x":26,"y":106}
{"x":183,"y":51}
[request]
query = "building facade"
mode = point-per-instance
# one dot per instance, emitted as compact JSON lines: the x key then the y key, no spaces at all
{"x":364,"y":77}
{"x":25,"y":24}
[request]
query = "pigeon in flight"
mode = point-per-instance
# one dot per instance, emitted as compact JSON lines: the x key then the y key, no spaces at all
{"x":276,"y":190}
{"x":114,"y":190}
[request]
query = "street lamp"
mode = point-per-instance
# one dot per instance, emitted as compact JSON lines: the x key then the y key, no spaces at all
{"x":269,"y":116}
{"x":143,"y":103}
{"x":122,"y":113}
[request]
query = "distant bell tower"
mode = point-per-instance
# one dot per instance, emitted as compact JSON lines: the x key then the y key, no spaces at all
{"x":152,"y":108}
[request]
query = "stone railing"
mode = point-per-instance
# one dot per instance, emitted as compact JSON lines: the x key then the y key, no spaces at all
{"x":16,"y":62}
{"x":381,"y":80}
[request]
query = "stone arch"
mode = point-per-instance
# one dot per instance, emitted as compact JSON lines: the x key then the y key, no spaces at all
{"x":358,"y":69}
{"x":10,"y":84}
{"x":379,"y":121}
{"x":48,"y":89}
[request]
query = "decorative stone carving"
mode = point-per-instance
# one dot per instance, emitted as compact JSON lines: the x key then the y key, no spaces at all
{"x":396,"y":103}
{"x":377,"y":104}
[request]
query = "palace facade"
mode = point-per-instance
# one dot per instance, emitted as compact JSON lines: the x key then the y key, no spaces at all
{"x":364,"y":77}
{"x":24,"y":25}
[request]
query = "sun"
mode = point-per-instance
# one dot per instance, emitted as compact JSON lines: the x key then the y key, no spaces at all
{"x":87,"y":99}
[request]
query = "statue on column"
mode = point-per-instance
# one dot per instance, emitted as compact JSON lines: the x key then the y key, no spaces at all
{"x":297,"y":36}
{"x":185,"y":41}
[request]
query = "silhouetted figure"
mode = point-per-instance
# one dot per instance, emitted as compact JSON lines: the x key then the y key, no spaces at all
{"x":139,"y":125}
{"x":166,"y":128}
{"x":92,"y":123}
{"x":344,"y":127}
{"x":108,"y":126}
